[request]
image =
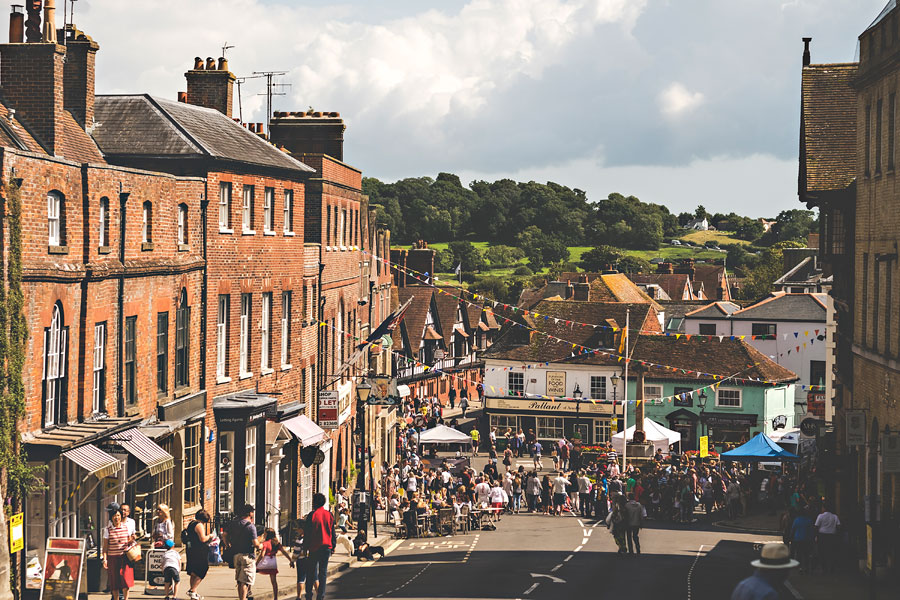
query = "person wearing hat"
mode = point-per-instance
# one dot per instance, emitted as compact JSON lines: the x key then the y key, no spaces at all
{"x":772,"y":569}
{"x":171,"y":569}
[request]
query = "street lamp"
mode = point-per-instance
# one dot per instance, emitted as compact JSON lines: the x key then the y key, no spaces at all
{"x":702,"y":401}
{"x":363,"y":389}
{"x":615,"y":383}
{"x":576,"y":393}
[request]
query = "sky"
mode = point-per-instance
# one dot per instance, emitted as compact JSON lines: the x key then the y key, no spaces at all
{"x":678,"y":102}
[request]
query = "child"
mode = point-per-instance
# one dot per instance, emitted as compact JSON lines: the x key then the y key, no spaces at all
{"x":267,"y":563}
{"x":171,"y":569}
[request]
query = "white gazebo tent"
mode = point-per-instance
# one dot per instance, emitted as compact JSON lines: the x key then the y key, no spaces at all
{"x":443,"y":435}
{"x":661,"y":437}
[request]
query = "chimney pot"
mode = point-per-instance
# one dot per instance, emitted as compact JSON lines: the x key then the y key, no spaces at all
{"x":182,"y":96}
{"x":223,"y":64}
{"x":210,"y":63}
{"x":16,"y":25}
{"x":50,"y":21}
{"x":806,"y":56}
{"x":198,"y":63}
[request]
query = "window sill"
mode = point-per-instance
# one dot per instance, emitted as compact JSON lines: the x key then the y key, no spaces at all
{"x":289,"y":234}
{"x":266,"y":371}
{"x":287,"y":367}
{"x":248,"y":232}
{"x":245,"y":375}
{"x":104,"y":250}
{"x":267,"y":232}
{"x":328,"y":248}
{"x":58,"y":249}
{"x":343,"y":248}
{"x":225,"y":230}
{"x":182,"y":391}
{"x":145,"y":246}
{"x":184,"y":247}
{"x":220,"y":380}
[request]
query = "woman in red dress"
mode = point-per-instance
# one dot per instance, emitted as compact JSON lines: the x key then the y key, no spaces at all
{"x":117,"y":538}
{"x":267,"y":564}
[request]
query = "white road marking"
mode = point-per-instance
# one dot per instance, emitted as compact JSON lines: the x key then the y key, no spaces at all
{"x":532,"y":588}
{"x":400,"y":587}
{"x":556,"y":568}
{"x":584,"y":541}
{"x":578,"y":549}
{"x":394,"y":545}
{"x":568,"y":558}
{"x":794,"y":592}
{"x":580,"y":522}
{"x":691,"y":570}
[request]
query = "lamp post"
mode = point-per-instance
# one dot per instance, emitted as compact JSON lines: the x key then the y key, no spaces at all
{"x":363,"y":389}
{"x":702,"y":401}
{"x":576,"y":393}
{"x":615,"y":379}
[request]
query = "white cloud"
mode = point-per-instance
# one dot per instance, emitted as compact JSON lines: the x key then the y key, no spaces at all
{"x":677,"y":99}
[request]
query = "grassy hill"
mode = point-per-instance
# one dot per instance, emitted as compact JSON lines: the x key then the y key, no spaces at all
{"x":719,"y":237}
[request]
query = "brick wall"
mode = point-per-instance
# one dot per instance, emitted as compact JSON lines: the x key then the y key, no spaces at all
{"x":212,"y":89}
{"x":32,"y":79}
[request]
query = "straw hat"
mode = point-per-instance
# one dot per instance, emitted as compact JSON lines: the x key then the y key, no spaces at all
{"x":774,"y":555}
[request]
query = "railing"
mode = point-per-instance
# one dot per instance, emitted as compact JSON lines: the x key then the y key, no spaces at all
{"x":441,"y":365}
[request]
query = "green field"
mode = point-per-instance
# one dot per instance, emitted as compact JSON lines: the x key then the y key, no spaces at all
{"x":719,"y":237}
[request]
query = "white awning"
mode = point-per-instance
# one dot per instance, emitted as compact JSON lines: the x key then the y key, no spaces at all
{"x":304,"y":430}
{"x":145,"y":450}
{"x":403,"y":390}
{"x":94,"y":460}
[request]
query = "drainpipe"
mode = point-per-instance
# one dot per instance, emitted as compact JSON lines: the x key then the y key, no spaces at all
{"x":82,"y":316}
{"x":120,"y":303}
{"x":204,"y":309}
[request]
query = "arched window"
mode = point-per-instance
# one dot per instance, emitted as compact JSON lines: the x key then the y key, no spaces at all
{"x":103,"y":224}
{"x":55,"y":222}
{"x":147,"y":223}
{"x":182,"y":342}
{"x":55,"y":346}
{"x":182,"y":224}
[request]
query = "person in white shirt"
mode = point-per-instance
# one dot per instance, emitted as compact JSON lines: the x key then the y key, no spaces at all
{"x":827,"y":525}
{"x":584,"y":494}
{"x":482,"y":490}
{"x":129,"y":522}
{"x":559,"y":492}
{"x":171,"y":568}
{"x":498,"y":498}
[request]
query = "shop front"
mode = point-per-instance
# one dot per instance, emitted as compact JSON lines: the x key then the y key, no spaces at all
{"x":551,"y":419}
{"x":686,"y":423}
{"x":728,"y":429}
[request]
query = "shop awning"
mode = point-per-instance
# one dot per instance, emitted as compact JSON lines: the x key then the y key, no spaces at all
{"x":307,"y":432}
{"x":94,"y":460}
{"x":145,"y":450}
{"x":403,"y":390}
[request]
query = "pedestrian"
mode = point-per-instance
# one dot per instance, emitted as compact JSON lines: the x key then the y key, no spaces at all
{"x":163,"y":527}
{"x":559,"y":492}
{"x":129,"y":522}
{"x":615,"y":521}
{"x":546,"y":486}
{"x":464,"y":406}
{"x":772,"y":570}
{"x":634,"y":520}
{"x":362,"y":548}
{"x":117,"y":539}
{"x":300,"y":555}
{"x":479,"y":389}
{"x":171,"y":569}
{"x":267,"y":563}
{"x":197,"y":551}
{"x":318,"y":541}
{"x":452,"y":396}
{"x":584,"y":494}
{"x":827,"y":526}
{"x":242,"y":539}
{"x":507,"y":457}
{"x":801,"y":538}
{"x":475,"y":436}
{"x":536,"y":455}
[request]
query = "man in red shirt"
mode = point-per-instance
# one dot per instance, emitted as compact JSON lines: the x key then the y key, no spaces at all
{"x":318,"y":539}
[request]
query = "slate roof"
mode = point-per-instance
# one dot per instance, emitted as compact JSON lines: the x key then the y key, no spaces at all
{"x":71,"y":140}
{"x":414,"y":320}
{"x":673,"y":284}
{"x":555,"y":317}
{"x":698,"y":353}
{"x":143,"y":125}
{"x":716,"y":310}
{"x":786,"y":307}
{"x":827,"y":128}
{"x":447,"y":305}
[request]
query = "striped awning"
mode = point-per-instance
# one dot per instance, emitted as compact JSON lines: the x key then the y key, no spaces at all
{"x":94,"y":460}
{"x":145,"y":450}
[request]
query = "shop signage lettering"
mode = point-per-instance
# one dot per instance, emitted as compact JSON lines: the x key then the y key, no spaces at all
{"x":856,"y":428}
{"x":16,"y":533}
{"x":155,"y":560}
{"x":556,"y":383}
{"x":63,"y":562}
{"x":537,"y":405}
{"x":328,"y":409}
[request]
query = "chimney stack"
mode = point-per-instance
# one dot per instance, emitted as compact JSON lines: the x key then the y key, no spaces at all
{"x":79,"y":77}
{"x":211,"y":87}
{"x":309,"y":132}
{"x":806,"y":57}
{"x":182,"y":97}
{"x":16,"y":25}
{"x":665,"y":268}
{"x":50,"y":21}
{"x":32,"y":83}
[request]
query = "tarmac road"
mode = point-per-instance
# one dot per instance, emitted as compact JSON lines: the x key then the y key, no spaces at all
{"x":543,"y":557}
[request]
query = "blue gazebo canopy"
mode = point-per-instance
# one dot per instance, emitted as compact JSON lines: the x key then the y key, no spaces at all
{"x":760,"y":448}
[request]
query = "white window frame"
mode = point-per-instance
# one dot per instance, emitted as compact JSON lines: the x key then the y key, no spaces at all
{"x":601,"y":387}
{"x":550,"y":428}
{"x":653,"y":393}
{"x":288,"y":211}
{"x":54,"y":366}
{"x":224,"y":206}
{"x":265,"y":331}
{"x":510,"y":386}
{"x":285,"y":329}
{"x":246,"y":307}
{"x":222,"y":337}
{"x":602,"y":431}
{"x":306,"y":491}
{"x":99,"y":365}
{"x":504,"y":422}
{"x":341,"y":216}
{"x":64,"y":476}
{"x":740,"y":398}
{"x":193,"y":434}
{"x":269,"y":210}
{"x":146,"y":222}
{"x":250,"y":467}
{"x":103,"y":216}
{"x":182,"y":224}
{"x":247,"y":194}
{"x":226,"y":472}
{"x":54,"y":219}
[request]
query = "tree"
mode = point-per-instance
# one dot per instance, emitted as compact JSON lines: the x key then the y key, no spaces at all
{"x":750,"y":230}
{"x":792,"y":225}
{"x":769,"y":268}
{"x":700,"y":212}
{"x":540,"y":249}
{"x":634,"y":264}
{"x":599,"y":258}
{"x":684,"y":218}
{"x":648,"y":233}
{"x":503,"y":256}
{"x":467,"y":255}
